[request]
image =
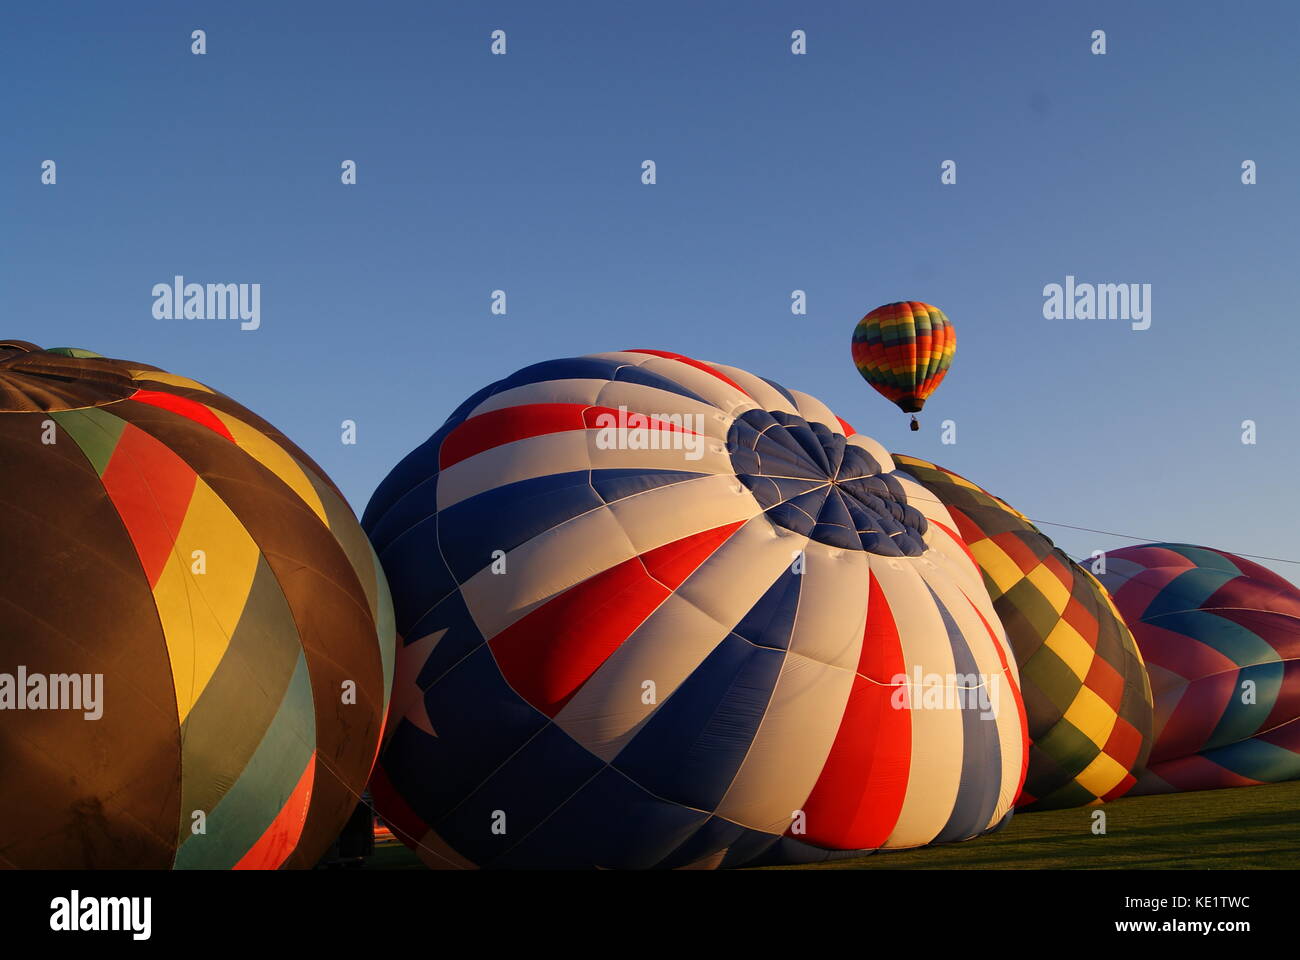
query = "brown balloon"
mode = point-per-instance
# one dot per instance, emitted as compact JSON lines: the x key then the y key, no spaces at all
{"x":196,"y":641}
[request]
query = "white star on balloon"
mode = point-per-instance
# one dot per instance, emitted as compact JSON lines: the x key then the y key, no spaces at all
{"x":411,"y":658}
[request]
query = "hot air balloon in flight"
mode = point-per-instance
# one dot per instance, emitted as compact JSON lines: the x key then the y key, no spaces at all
{"x":194,"y":633}
{"x":1086,"y":694}
{"x":1221,"y":639}
{"x":904,"y":351}
{"x":665,"y":613}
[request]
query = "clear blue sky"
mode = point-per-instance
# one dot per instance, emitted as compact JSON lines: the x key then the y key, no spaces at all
{"x":775,"y":172}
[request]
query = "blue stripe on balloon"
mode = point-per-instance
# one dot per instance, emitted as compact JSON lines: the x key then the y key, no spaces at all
{"x":751,"y":849}
{"x":502,"y":518}
{"x":1257,"y":760}
{"x":1187,"y":591}
{"x":583,"y":832}
{"x":478,"y":719}
{"x":460,"y":637}
{"x":461,"y":413}
{"x":781,"y":390}
{"x":614,"y":485}
{"x":981,"y":756}
{"x":770,"y":622}
{"x":1242,"y":720}
{"x":592,"y":368}
{"x":1238,"y":644}
{"x":407,"y":495}
{"x":507,"y":516}
{"x":418,"y":576}
{"x":714,"y":835}
{"x":782,"y":851}
{"x":1202,"y":557}
{"x":692,"y":746}
{"x":532,"y":782}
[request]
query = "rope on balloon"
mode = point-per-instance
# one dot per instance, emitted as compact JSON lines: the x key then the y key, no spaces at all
{"x":1129,"y":536}
{"x":1124,"y":536}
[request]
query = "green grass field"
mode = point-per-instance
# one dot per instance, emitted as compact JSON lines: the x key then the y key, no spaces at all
{"x":1247,"y":828}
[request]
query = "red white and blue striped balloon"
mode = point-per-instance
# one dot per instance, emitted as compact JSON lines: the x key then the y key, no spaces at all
{"x":618,"y":653}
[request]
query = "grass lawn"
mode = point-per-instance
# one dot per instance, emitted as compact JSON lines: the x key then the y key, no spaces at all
{"x":1244,"y":828}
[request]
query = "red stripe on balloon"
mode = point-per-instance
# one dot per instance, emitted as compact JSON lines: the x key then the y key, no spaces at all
{"x":1178,"y":653}
{"x":549,"y":654}
{"x":1192,"y":723}
{"x":190,"y":409}
{"x":1287,"y":733}
{"x":1198,"y":773}
{"x":498,"y":427}
{"x":1286,"y":706}
{"x":1155,"y":557}
{"x":1120,"y":789}
{"x":281,"y":837}
{"x":859,"y":794}
{"x":672,"y":563}
{"x":151,"y":488}
{"x":1277,"y":627}
{"x":1175,"y":662}
{"x":398,"y":814}
{"x":698,"y":365}
{"x":1257,"y":572}
{"x":957,"y":539}
{"x":1136,"y":594}
{"x":970,"y":532}
{"x":1124,"y":743}
{"x":1247,"y":595}
{"x":1020,"y":552}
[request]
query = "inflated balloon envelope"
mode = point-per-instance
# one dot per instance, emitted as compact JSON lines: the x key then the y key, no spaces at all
{"x":203,"y":635}
{"x":666,"y":613}
{"x":1221,"y":638}
{"x":904,"y":350}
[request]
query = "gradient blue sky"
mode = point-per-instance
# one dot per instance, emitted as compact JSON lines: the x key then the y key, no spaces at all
{"x":776,"y":172}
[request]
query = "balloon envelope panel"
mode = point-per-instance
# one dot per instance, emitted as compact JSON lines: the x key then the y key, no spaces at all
{"x":705,"y":640}
{"x":1085,"y":687}
{"x":1221,"y":638}
{"x":161,"y":537}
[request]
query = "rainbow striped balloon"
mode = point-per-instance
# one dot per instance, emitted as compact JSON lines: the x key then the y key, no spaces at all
{"x":904,"y":351}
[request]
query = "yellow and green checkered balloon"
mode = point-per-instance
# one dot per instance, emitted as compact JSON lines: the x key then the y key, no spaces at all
{"x":1087,"y":697}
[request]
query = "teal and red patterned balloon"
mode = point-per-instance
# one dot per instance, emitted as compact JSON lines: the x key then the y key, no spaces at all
{"x":904,"y":351}
{"x":1221,"y":638}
